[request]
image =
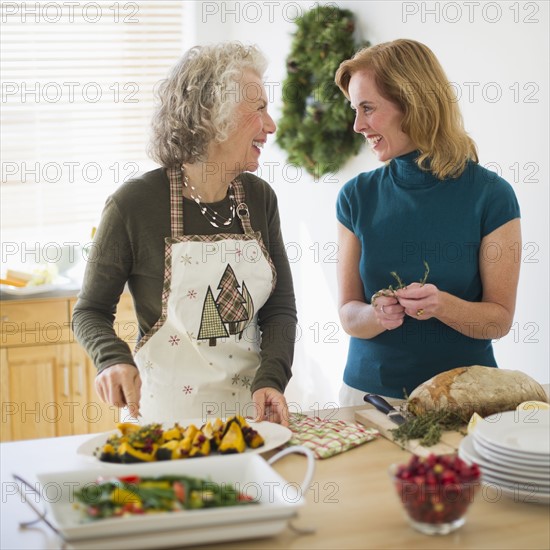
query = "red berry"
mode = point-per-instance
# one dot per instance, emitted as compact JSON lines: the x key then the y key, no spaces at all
{"x":448,"y":477}
{"x":431,"y":479}
{"x":432,"y":460}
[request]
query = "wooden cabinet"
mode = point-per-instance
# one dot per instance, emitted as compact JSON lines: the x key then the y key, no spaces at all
{"x":47,"y":379}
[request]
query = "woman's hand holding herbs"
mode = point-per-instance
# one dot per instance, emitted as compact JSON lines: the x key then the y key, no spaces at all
{"x":418,"y":300}
{"x":389,"y":312}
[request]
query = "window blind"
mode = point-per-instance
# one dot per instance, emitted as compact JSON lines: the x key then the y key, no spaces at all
{"x":77,"y":99}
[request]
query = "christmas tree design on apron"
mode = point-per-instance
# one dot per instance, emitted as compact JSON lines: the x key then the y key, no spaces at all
{"x":234,"y":307}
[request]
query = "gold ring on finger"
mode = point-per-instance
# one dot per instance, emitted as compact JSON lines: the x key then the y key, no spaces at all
{"x":419,"y":312}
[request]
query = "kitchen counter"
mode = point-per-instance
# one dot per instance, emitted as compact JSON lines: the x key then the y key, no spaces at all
{"x":351,"y":503}
{"x":68,"y":291}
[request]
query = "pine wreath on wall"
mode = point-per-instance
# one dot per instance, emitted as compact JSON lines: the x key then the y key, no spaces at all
{"x":316,"y":127}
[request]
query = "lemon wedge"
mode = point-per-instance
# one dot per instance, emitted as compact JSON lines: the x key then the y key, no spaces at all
{"x":533,"y":406}
{"x":475,"y":418}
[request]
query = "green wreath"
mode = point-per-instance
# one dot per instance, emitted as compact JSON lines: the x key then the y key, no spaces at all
{"x":316,"y":128}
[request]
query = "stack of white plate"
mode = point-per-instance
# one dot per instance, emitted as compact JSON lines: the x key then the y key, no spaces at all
{"x":512,"y":450}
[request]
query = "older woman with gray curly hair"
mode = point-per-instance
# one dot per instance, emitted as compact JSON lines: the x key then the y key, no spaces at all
{"x":198,"y":242}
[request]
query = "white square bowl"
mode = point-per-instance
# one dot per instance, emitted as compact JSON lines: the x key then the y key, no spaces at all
{"x":277,"y":502}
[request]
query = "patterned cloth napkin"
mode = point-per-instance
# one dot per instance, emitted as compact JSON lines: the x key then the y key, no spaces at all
{"x":328,"y":437}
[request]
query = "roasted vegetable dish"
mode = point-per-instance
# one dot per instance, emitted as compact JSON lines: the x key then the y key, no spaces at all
{"x":151,"y":442}
{"x":131,"y":495}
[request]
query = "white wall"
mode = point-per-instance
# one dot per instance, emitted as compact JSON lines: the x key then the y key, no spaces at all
{"x":487,"y":49}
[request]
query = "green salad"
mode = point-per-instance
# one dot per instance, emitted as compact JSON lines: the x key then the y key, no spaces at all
{"x":129,"y":495}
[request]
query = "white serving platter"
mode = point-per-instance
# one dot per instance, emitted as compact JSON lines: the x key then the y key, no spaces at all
{"x":274,"y":436}
{"x":277,"y":502}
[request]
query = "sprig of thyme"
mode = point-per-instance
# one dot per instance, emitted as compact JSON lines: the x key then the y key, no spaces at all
{"x":390,"y":291}
{"x":428,"y":427}
{"x":400,"y":283}
{"x":426,"y":273}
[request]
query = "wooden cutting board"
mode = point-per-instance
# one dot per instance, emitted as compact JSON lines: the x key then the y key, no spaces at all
{"x":373,"y":418}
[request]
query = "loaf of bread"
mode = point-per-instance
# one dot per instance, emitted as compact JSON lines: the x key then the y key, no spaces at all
{"x":484,"y":390}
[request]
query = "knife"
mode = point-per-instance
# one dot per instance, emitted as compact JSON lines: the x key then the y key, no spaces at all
{"x":383,"y":406}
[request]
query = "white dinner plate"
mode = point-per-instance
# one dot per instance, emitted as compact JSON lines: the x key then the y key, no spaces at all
{"x":524,"y":486}
{"x":251,"y":474}
{"x":519,"y":431}
{"x":274,"y":436}
{"x":493,"y":490}
{"x":528,"y":474}
{"x":509,"y":459}
{"x":521,"y":486}
{"x":58,"y":284}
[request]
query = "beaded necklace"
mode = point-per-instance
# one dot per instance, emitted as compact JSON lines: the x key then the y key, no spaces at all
{"x":212,"y":216}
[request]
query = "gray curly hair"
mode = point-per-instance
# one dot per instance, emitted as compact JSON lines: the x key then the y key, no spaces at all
{"x":198,"y":99}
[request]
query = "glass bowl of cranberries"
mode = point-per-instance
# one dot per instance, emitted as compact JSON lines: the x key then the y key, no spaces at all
{"x":436,"y":491}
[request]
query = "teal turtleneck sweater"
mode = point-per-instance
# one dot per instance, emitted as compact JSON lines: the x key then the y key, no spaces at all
{"x":403,"y":216}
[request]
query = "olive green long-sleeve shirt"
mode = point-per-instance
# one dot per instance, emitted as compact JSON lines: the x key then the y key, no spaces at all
{"x":129,"y":248}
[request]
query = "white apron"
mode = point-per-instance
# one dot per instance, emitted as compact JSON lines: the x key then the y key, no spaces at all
{"x":201,"y":356}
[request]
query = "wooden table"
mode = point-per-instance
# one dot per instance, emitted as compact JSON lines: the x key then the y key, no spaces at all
{"x":351,"y":503}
